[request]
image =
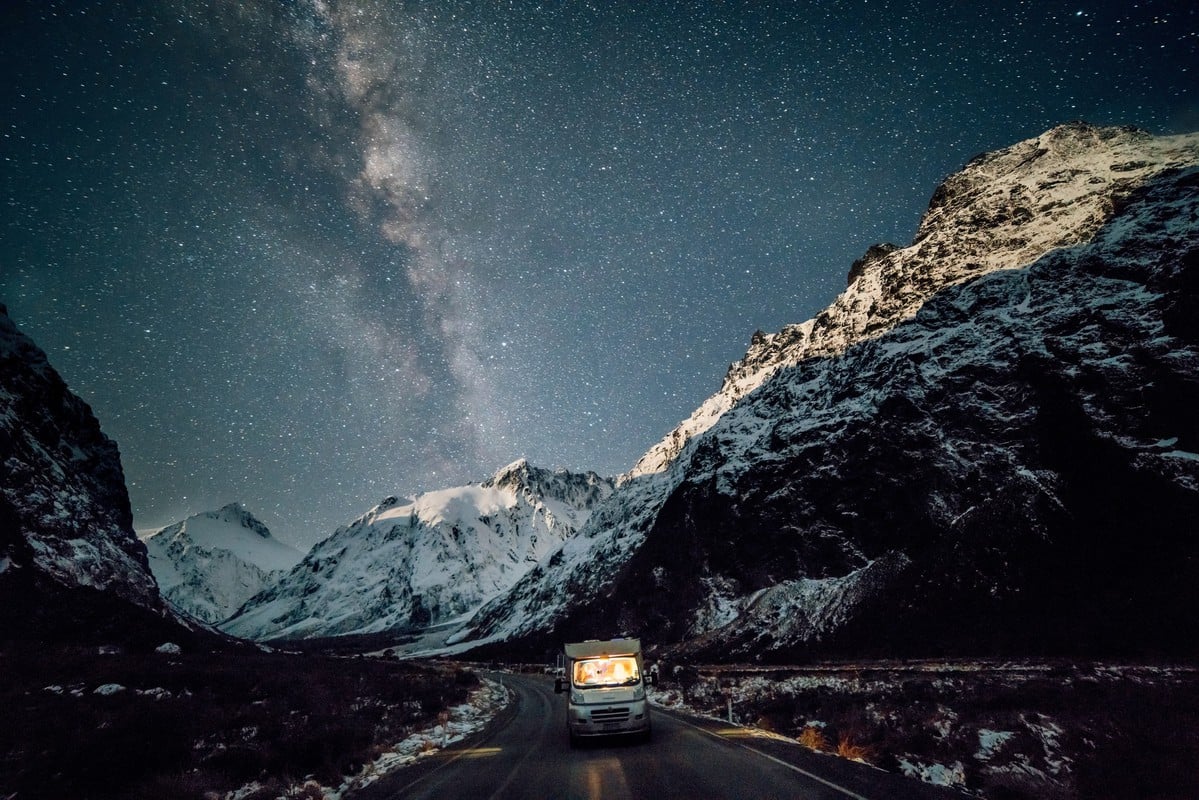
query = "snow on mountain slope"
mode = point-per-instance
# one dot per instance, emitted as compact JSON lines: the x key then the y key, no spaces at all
{"x":1004,"y":210}
{"x":946,"y":435}
{"x":583,"y":565}
{"x":64,"y":509}
{"x":1014,"y":467}
{"x":210,"y":564}
{"x":406,"y":566}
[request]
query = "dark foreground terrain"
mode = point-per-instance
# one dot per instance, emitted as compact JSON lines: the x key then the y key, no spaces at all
{"x":1002,"y":730}
{"x":195,"y":721}
{"x":132,"y":722}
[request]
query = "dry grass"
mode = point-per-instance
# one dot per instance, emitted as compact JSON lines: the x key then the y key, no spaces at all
{"x":846,"y":748}
{"x":765,"y":723}
{"x":813,"y":738}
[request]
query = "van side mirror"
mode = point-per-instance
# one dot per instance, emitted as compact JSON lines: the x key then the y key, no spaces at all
{"x":558,"y":689}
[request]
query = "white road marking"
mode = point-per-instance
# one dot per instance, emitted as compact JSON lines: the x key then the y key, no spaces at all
{"x":778,"y":761}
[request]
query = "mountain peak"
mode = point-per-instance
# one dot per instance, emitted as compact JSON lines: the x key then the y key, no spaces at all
{"x":519,"y":469}
{"x":238,"y":514}
{"x":209,"y":564}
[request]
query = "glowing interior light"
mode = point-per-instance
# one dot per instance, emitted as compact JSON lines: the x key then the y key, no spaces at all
{"x":617,"y":671}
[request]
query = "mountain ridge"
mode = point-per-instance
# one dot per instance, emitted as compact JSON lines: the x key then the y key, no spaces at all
{"x":63,"y":487}
{"x":737,"y":528}
{"x":965,"y":228}
{"x":71,"y":566}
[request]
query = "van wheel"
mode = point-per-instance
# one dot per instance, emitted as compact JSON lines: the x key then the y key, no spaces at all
{"x":648,"y":736}
{"x":574,"y":742}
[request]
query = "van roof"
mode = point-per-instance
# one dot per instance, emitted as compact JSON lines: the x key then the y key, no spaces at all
{"x":601,"y":649}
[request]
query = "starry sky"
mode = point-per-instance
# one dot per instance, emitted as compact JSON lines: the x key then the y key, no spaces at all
{"x":307,"y":254}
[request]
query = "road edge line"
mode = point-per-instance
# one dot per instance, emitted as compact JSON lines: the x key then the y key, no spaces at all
{"x":779,"y":761}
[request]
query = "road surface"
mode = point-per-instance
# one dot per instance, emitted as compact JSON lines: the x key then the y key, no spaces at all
{"x":528,"y":757}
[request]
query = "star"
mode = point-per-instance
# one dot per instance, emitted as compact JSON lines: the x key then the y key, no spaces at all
{"x":306,"y":256}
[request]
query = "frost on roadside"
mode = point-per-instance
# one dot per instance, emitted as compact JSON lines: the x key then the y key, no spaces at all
{"x":457,"y":723}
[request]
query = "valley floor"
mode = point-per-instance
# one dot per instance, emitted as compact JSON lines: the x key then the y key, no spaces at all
{"x":107,"y":722}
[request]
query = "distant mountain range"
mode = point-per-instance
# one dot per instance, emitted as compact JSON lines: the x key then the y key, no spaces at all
{"x":987,"y":444}
{"x":404,"y":566}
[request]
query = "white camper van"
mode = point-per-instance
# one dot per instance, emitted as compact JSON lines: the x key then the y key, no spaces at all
{"x":606,"y":684}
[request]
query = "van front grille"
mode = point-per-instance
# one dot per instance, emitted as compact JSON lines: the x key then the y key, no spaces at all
{"x":601,"y":715}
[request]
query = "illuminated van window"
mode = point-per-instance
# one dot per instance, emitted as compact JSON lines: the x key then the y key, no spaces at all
{"x":618,"y":671}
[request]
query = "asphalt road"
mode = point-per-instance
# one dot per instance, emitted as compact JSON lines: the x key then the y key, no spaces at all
{"x":526,"y":756}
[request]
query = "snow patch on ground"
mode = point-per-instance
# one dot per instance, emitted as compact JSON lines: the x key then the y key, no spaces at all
{"x":990,"y":742}
{"x":1049,"y":733}
{"x":952,"y":775}
{"x":937,"y":716}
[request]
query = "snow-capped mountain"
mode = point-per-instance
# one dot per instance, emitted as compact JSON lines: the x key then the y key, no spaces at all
{"x":409,"y":565}
{"x":64,"y":509}
{"x":210,"y":564}
{"x":986,"y":443}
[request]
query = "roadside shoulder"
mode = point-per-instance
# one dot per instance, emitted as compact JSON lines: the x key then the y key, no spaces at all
{"x":396,"y":777}
{"x":850,"y":779}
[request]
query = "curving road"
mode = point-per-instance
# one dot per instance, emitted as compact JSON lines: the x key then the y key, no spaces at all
{"x":528,"y":756}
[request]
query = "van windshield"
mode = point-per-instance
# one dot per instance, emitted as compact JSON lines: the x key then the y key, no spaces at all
{"x":618,"y":671}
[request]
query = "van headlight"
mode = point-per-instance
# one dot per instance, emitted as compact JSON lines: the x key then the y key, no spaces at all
{"x":639,"y":693}
{"x":576,"y":697}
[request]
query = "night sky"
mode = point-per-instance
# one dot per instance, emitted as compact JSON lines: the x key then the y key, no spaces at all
{"x":304,"y":255}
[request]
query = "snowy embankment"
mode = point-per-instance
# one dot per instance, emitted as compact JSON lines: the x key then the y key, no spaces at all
{"x":455,"y":725}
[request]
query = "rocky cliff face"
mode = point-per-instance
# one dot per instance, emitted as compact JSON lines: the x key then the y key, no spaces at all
{"x":71,"y":568}
{"x":64,"y":509}
{"x":409,"y":565}
{"x":210,"y":564}
{"x":986,"y":443}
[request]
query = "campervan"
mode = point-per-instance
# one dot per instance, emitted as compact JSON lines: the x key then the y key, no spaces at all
{"x":605,"y":684}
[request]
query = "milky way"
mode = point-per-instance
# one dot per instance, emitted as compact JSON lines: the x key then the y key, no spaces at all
{"x":306,"y":255}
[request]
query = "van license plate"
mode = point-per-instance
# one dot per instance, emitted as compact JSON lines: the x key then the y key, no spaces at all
{"x":611,"y":726}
